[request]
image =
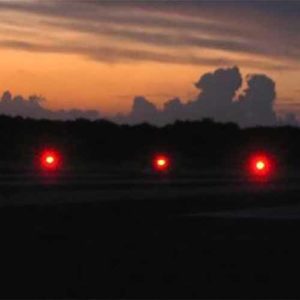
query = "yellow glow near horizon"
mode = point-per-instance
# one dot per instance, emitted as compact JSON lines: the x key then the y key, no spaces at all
{"x":73,"y":81}
{"x":69,"y":80}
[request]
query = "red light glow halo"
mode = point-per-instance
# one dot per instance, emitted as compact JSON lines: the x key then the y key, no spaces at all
{"x":161,"y":163}
{"x":50,"y":160}
{"x":261,"y":165}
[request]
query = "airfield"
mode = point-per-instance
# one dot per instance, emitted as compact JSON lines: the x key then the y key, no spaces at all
{"x":134,"y":235}
{"x":203,"y":191}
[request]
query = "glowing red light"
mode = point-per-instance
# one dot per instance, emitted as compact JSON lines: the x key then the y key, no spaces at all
{"x":261,"y":165}
{"x":161,"y":163}
{"x":50,"y":160}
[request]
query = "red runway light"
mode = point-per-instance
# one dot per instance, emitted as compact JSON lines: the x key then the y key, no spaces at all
{"x":261,"y":165}
{"x":161,"y":163}
{"x":50,"y":160}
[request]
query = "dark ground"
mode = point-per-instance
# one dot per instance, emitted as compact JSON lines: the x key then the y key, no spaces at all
{"x":82,"y":237}
{"x":150,"y":249}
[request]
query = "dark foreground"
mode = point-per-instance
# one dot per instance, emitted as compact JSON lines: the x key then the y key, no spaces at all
{"x":150,"y":249}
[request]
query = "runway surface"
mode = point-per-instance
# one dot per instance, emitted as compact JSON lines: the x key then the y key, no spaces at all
{"x":103,"y":236}
{"x":206,"y":195}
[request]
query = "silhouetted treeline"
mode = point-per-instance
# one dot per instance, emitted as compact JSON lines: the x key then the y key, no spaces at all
{"x":192,"y":144}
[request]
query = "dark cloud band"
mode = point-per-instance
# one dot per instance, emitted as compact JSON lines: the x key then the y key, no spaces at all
{"x":193,"y":28}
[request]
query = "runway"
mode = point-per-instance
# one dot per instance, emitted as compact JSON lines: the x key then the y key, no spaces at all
{"x":211,"y":195}
{"x":148,"y":236}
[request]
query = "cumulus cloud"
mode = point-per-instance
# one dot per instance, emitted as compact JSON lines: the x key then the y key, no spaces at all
{"x":32,"y":108}
{"x":217,"y":91}
{"x":218,"y":99}
{"x":142,"y":111}
{"x":173,"y":109}
{"x":257,"y":102}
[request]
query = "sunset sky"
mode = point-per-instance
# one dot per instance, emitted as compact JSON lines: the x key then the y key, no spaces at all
{"x":100,"y":54}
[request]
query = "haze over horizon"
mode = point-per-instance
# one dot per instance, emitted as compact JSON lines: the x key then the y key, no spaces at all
{"x":97,"y":55}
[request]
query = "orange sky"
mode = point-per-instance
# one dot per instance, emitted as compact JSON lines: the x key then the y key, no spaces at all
{"x":74,"y":66}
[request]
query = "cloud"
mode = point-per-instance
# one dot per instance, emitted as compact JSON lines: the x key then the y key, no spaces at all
{"x":114,"y":55}
{"x":124,"y":13}
{"x":32,"y":108}
{"x":220,"y":98}
{"x":217,"y":100}
{"x":142,"y":110}
{"x":209,"y":36}
{"x":173,"y":110}
{"x":217,"y":91}
{"x":132,"y":31}
{"x":257,"y":102}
